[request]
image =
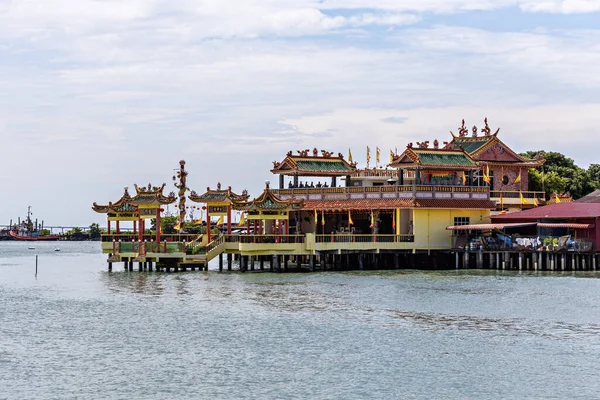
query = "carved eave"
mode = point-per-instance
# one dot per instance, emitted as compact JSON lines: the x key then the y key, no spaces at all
{"x":268,"y":201}
{"x":218,"y":196}
{"x":126,"y":198}
{"x":443,"y":159}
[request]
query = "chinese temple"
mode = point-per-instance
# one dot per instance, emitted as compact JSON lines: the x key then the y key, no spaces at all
{"x":407,"y":213}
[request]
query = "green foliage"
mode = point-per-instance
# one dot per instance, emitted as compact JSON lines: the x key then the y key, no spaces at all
{"x":561,"y":174}
{"x":168,"y":223}
{"x":45,"y":232}
{"x":95,"y":231}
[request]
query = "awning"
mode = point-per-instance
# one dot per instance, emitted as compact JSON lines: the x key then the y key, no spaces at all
{"x":487,"y":227}
{"x":564,"y":225}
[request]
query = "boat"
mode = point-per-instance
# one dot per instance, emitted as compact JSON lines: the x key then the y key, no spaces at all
{"x":28,"y":231}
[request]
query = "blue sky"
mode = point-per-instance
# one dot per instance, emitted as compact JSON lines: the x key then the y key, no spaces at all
{"x":98,"y":95}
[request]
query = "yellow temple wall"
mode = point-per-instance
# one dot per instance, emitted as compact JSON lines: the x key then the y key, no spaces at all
{"x":430,"y":226}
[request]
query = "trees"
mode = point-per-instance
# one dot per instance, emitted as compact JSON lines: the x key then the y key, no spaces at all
{"x":95,"y":231}
{"x":560,"y":174}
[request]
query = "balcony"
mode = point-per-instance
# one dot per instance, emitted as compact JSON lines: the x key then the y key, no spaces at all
{"x":513,"y":198}
{"x":387,"y":192}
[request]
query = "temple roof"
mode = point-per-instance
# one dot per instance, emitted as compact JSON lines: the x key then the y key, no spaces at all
{"x":267,"y":201}
{"x":151,"y":195}
{"x":488,"y":149}
{"x":303,"y":164}
{"x":433,"y":158}
{"x":218,"y":195}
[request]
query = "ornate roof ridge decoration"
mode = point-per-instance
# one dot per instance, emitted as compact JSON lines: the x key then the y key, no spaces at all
{"x":152,"y":195}
{"x":305,"y":164}
{"x":415,"y":157}
{"x":463,"y":131}
{"x":268,"y":201}
{"x":488,"y":141}
{"x":218,"y":195}
{"x":125,"y":199}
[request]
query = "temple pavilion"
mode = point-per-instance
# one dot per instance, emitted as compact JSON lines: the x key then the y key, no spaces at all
{"x":146,"y":204}
{"x":268,"y":214}
{"x":218,"y":204}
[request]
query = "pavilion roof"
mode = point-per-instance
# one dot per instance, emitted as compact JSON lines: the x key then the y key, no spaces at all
{"x":150,"y":195}
{"x":124,"y":200}
{"x":305,"y":164}
{"x":218,"y":195}
{"x":267,"y":201}
{"x":433,"y":158}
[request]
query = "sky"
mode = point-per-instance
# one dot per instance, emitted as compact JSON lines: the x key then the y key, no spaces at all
{"x":96,"y":95}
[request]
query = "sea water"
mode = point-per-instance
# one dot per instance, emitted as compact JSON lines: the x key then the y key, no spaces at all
{"x":78,"y":332}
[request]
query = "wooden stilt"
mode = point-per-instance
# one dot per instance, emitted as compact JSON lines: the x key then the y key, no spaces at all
{"x":229,"y":262}
{"x":311,"y":263}
{"x":221,"y":262}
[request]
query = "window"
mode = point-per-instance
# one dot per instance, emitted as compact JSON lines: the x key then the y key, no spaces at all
{"x":460,"y":221}
{"x":505,"y":180}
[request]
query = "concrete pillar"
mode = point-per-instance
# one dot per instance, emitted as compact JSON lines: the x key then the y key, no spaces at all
{"x":252,"y":263}
{"x":229,"y":262}
{"x":361,"y":261}
{"x":311,"y":262}
{"x":520,"y":261}
{"x":456,"y":258}
{"x":498,"y":260}
{"x":221,"y":262}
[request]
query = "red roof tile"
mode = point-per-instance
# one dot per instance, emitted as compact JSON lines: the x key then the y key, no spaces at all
{"x":555,"y":211}
{"x":381,"y":204}
{"x":363,"y":204}
{"x":456,"y":203}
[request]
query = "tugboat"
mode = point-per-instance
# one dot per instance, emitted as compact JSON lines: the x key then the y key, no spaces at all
{"x":27,"y":231}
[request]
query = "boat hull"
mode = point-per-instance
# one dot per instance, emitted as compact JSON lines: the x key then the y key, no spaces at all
{"x":47,"y":238}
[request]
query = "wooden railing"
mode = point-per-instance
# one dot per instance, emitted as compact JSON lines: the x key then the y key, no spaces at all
{"x":386,"y":192}
{"x":128,"y":237}
{"x":495,"y":194}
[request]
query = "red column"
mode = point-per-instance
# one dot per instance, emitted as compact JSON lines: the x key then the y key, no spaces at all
{"x":229,"y":219}
{"x":134,"y":227}
{"x":108,"y":223}
{"x":207,"y":225}
{"x":158,"y":226}
{"x":248,"y":225}
{"x":118,"y":228}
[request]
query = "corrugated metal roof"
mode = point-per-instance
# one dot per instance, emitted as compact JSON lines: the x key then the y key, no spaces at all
{"x":564,"y":225}
{"x":487,"y":227}
{"x":456,"y":203}
{"x":555,"y":211}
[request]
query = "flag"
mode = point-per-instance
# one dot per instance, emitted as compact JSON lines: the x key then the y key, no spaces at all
{"x":523,"y":201}
{"x":557,"y":198}
{"x":394,"y":221}
{"x":221,"y":220}
{"x":198,"y":221}
{"x":377,"y":154}
{"x":349,"y":156}
{"x":242,"y":220}
{"x":535,"y":202}
{"x":391,"y":156}
{"x":322,"y":217}
{"x":486,"y":175}
{"x":464,"y":178}
{"x":518,"y":178}
{"x":350,"y":222}
{"x":372,"y":220}
{"x":177,"y":227}
{"x":315,"y":218}
{"x":368,"y":155}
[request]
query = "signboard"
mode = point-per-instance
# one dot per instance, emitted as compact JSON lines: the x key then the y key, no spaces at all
{"x":217,"y":210}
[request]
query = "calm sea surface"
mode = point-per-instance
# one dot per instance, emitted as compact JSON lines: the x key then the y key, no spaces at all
{"x":78,"y":332}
